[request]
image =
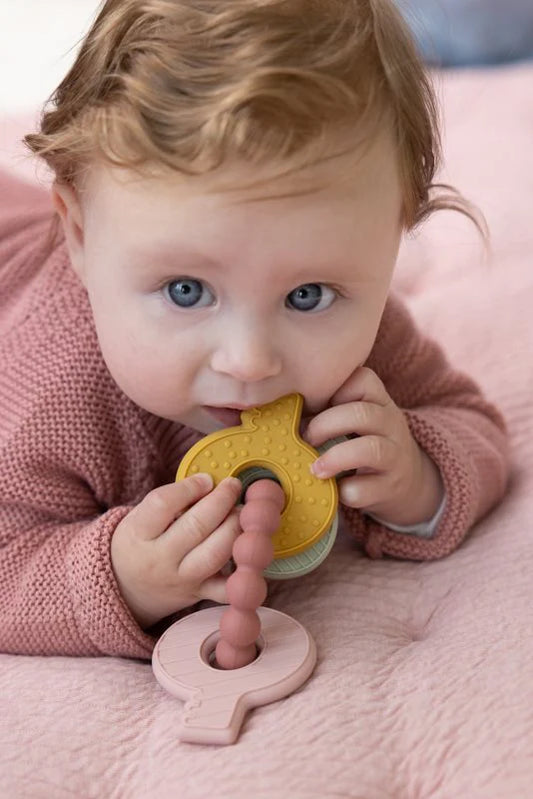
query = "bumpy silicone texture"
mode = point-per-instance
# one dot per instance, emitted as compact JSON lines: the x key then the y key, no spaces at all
{"x":268,"y":438}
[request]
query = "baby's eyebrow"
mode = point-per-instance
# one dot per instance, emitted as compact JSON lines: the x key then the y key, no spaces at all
{"x":146,"y":257}
{"x":143,"y":256}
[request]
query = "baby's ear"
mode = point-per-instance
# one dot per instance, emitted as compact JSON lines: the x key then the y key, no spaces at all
{"x":67,"y":204}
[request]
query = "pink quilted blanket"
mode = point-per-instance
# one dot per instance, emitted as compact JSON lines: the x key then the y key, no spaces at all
{"x":424,"y":682}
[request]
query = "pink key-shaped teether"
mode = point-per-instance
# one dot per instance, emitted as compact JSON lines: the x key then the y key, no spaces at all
{"x":216,"y":699}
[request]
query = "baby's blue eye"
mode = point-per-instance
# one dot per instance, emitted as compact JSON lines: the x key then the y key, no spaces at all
{"x":188,"y":293}
{"x":310,"y":297}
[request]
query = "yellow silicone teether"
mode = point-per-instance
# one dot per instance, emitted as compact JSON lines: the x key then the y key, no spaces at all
{"x":268,"y":437}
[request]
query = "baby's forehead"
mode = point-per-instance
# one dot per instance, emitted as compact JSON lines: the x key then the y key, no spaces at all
{"x":343,"y":167}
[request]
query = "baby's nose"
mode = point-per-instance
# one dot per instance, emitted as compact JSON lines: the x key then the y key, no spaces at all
{"x":247,"y":357}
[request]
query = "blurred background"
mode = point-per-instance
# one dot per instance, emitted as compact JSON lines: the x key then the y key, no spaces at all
{"x":471,"y":32}
{"x":38,"y":39}
{"x":37,"y":45}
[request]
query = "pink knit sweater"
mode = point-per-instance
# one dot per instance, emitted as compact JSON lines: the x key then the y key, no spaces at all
{"x":76,"y":454}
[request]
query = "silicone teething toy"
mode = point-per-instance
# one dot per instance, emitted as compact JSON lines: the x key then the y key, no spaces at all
{"x":266,"y":654}
{"x":268,"y":444}
{"x":217,"y":701}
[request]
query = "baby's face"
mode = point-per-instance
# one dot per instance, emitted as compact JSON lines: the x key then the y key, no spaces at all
{"x":206,"y":295}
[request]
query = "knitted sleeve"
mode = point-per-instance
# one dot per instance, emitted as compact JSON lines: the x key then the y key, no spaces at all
{"x":74,"y":458}
{"x":58,"y":594}
{"x":453,"y":422}
{"x":70,"y":473}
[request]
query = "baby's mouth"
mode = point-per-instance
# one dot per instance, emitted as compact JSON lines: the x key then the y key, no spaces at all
{"x":229,"y":417}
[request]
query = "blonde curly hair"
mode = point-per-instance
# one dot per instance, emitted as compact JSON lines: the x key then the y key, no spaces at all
{"x":187,"y":84}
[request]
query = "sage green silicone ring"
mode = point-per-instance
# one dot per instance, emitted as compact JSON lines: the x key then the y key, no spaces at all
{"x":304,"y":562}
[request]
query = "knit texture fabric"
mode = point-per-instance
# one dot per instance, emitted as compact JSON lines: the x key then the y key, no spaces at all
{"x":77,"y":455}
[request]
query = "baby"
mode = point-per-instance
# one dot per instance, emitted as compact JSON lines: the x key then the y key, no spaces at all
{"x":231,"y":185}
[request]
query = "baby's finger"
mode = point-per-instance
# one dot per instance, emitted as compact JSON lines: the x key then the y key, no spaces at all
{"x":361,"y":418}
{"x":163,"y":505}
{"x":362,"y":385}
{"x":374,"y":452}
{"x":363,"y":491}
{"x":214,"y":589}
{"x":211,"y":555}
{"x":197,"y":523}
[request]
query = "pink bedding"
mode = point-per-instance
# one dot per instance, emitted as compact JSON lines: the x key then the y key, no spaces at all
{"x":424,"y":682}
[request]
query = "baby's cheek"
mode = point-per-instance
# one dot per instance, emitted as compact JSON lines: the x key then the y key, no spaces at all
{"x":147,"y":380}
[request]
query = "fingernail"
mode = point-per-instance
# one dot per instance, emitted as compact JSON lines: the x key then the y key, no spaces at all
{"x":205,"y":480}
{"x":234,"y":482}
{"x":318,"y":469}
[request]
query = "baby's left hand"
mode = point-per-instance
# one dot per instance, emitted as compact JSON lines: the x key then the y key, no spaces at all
{"x":396,"y":480}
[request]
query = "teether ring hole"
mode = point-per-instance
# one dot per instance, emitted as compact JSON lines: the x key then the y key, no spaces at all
{"x":257,"y":474}
{"x":208,"y":650}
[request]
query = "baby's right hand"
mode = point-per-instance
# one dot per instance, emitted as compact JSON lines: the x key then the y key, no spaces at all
{"x":167,"y":552}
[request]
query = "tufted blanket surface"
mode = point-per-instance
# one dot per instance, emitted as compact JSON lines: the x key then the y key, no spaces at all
{"x":424,"y":683}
